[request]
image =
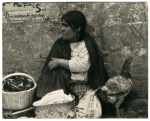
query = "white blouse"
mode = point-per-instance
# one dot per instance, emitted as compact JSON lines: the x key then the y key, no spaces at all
{"x":79,"y":63}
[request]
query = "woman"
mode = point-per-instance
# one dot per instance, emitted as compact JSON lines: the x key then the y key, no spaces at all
{"x":75,"y":62}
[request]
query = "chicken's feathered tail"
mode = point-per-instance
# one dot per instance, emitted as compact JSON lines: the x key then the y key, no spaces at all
{"x":125,"y":72}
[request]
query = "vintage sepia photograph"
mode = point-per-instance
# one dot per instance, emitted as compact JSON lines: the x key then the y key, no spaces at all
{"x":73,"y":60}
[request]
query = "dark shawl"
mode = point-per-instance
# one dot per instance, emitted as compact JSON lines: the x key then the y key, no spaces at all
{"x":59,"y":77}
{"x":50,"y":80}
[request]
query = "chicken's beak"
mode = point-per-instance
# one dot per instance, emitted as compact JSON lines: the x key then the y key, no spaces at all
{"x":104,"y":88}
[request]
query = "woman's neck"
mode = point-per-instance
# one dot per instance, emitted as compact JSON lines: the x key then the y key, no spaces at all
{"x":75,"y":41}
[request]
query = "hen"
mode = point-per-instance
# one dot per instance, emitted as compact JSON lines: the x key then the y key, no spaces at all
{"x":118,"y":87}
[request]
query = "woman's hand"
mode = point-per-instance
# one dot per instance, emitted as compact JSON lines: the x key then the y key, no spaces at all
{"x":54,"y":63}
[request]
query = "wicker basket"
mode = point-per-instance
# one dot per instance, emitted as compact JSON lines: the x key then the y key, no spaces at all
{"x":54,"y":110}
{"x":18,"y":100}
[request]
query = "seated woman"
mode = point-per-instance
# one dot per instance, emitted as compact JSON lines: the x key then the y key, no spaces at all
{"x":75,"y":63}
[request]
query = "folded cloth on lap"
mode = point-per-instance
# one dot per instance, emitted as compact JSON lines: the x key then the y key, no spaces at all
{"x":54,"y":97}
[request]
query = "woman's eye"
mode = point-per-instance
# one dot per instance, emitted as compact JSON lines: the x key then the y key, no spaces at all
{"x":65,"y":25}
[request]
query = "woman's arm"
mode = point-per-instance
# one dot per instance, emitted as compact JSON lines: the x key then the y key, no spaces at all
{"x":75,"y":64}
{"x":79,"y":61}
{"x":55,"y":62}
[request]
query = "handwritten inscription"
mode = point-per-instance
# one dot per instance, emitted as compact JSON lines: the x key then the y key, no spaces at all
{"x":20,"y":11}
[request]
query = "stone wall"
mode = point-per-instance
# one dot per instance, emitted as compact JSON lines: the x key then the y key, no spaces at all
{"x":120,"y":30}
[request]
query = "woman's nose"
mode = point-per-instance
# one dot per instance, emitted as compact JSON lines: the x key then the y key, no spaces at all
{"x":62,"y":29}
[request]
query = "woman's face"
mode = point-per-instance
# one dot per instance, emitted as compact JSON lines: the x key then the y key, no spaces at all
{"x":67,"y":32}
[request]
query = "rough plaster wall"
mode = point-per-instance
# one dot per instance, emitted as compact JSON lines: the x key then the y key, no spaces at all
{"x":120,"y":30}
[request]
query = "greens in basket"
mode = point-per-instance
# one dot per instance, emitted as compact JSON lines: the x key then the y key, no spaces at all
{"x":17,"y":83}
